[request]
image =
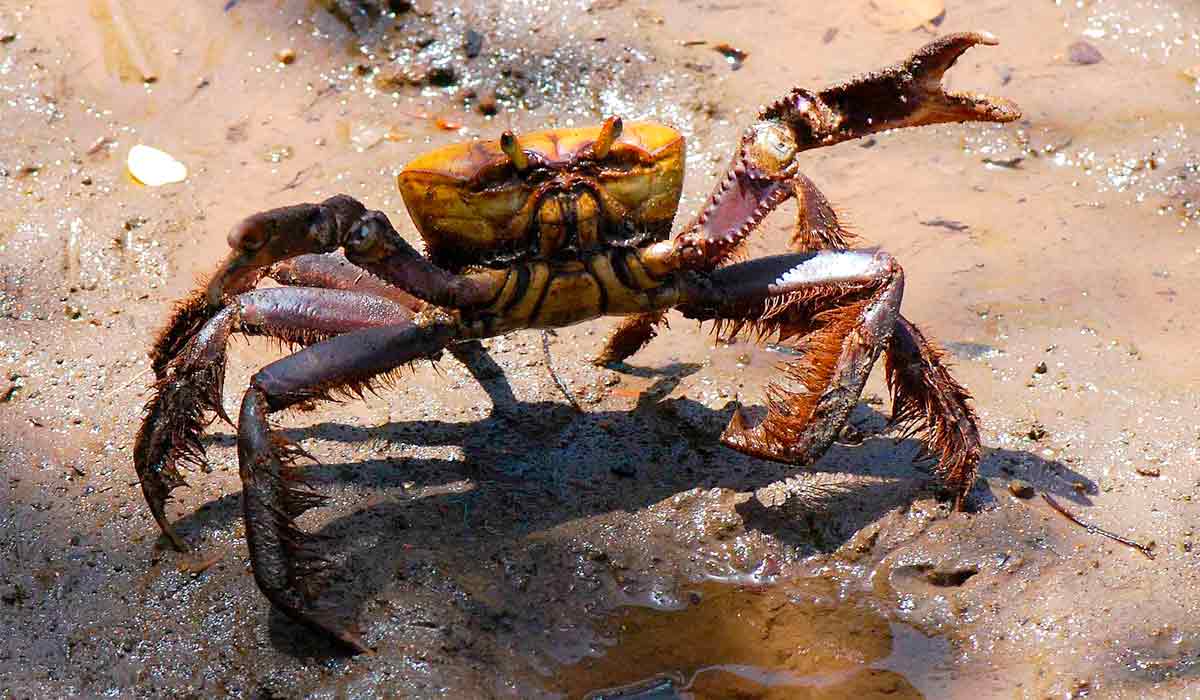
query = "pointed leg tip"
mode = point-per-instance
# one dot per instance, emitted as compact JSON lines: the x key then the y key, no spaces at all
{"x":177,"y":542}
{"x":1002,"y":110}
{"x":349,"y":636}
{"x":603,"y":360}
{"x":735,"y":434}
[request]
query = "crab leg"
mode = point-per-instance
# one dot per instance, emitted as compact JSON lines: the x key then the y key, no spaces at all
{"x":842,"y":306}
{"x":336,"y":272}
{"x":264,"y":239}
{"x":926,"y":399}
{"x":190,"y":384}
{"x":929,"y":402}
{"x":273,"y":495}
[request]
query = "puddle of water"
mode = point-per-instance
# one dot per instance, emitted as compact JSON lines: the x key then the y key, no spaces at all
{"x":797,"y":640}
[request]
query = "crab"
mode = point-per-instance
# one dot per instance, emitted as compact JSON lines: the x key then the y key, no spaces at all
{"x":546,"y":230}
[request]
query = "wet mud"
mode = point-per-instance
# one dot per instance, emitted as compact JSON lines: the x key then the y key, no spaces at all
{"x":493,"y":541}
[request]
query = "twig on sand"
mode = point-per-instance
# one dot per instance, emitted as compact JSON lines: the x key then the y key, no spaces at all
{"x":1144,"y":549}
{"x":557,"y":380}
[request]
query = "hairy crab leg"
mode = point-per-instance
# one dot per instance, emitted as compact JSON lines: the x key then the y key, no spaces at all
{"x":841,"y":306}
{"x":927,"y":401}
{"x":631,"y":334}
{"x":283,"y":556}
{"x":261,"y":240}
{"x":190,"y":385}
{"x":334,"y":271}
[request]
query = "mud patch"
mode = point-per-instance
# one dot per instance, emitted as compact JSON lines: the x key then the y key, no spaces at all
{"x":800,"y":640}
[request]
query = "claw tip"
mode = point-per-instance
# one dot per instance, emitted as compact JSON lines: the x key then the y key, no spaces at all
{"x":987,"y":38}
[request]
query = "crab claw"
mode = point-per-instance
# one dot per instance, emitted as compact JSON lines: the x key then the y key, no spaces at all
{"x":909,"y":93}
{"x":765,"y":170}
{"x":268,"y":237}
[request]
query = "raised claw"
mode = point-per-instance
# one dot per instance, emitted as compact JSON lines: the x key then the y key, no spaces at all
{"x":909,"y":93}
{"x":765,"y":170}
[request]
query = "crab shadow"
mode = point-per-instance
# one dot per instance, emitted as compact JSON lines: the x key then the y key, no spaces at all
{"x":553,"y":464}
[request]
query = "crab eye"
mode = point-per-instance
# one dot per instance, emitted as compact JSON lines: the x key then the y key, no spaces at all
{"x":772,"y":146}
{"x":363,"y":237}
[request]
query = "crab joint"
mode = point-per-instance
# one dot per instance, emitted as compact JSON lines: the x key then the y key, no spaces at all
{"x":268,"y":237}
{"x":662,"y":258}
{"x":770,"y":147}
{"x":512,"y":148}
{"x":609,"y":133}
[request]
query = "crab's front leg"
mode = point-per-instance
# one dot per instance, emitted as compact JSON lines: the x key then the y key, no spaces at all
{"x":765,"y":170}
{"x":840,"y":308}
{"x":189,"y":355}
{"x":273,"y":494}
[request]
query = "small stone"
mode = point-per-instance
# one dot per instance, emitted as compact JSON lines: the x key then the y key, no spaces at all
{"x":1036,"y":432}
{"x":1040,"y":368}
{"x":1084,"y":54}
{"x":472,"y":43}
{"x":488,"y":104}
{"x":1020,"y":488}
{"x":286,"y":56}
{"x":277,"y":154}
{"x":1149,"y":471}
{"x":442,"y":75}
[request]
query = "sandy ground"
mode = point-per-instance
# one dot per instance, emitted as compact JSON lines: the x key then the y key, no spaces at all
{"x":495,"y":543}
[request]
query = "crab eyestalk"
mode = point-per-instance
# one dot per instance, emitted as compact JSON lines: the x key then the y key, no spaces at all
{"x":512,"y":148}
{"x":765,"y":171}
{"x":610,"y":131}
